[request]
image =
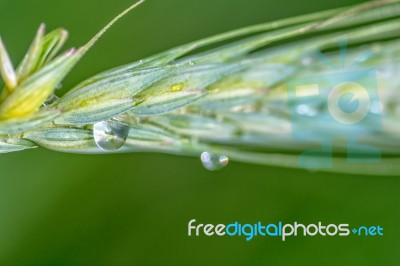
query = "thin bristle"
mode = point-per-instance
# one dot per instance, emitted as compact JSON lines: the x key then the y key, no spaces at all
{"x":112,"y":22}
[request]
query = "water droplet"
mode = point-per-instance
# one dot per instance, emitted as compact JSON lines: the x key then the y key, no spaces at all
{"x":52,"y":99}
{"x":59,"y":86}
{"x":213,"y":162}
{"x":306,"y":110}
{"x":110,"y":135}
{"x":191,"y":63}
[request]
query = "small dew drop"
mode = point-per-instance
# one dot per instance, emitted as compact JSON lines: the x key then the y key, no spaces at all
{"x":110,"y":135}
{"x":51,"y":100}
{"x":191,"y":63}
{"x":306,"y":110}
{"x":213,"y":162}
{"x":59,"y":86}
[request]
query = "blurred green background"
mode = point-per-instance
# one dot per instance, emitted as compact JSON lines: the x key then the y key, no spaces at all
{"x":133,"y":209}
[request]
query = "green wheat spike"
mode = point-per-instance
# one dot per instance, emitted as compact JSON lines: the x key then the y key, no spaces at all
{"x":229,"y":100}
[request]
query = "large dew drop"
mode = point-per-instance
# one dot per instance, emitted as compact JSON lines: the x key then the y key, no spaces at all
{"x":110,"y":135}
{"x":213,"y":162}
